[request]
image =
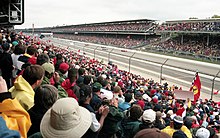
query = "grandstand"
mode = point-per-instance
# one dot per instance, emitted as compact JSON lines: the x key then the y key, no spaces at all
{"x":171,"y":37}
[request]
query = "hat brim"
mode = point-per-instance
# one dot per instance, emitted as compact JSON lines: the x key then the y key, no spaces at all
{"x":78,"y":131}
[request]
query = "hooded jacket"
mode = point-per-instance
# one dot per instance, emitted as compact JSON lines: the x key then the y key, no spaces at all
{"x":15,"y":116}
{"x":170,"y":131}
{"x":23,"y":92}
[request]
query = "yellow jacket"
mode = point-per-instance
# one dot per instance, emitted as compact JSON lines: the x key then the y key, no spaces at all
{"x":23,"y":92}
{"x":15,"y":116}
{"x":170,"y":131}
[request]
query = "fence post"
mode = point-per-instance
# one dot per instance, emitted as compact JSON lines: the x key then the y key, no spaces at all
{"x":94,"y":51}
{"x":161,"y":70}
{"x":213,"y":83}
{"x":130,"y":61}
{"x":109,"y":54}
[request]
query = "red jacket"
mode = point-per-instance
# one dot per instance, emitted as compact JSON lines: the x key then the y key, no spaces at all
{"x":68,"y":87}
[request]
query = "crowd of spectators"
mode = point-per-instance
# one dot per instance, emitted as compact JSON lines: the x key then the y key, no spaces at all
{"x":50,"y":92}
{"x":119,"y":41}
{"x":196,"y":45}
{"x":123,"y":26}
{"x":190,"y":26}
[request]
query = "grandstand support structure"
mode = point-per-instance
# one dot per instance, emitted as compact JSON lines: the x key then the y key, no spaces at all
{"x":11,"y":12}
{"x":16,"y":11}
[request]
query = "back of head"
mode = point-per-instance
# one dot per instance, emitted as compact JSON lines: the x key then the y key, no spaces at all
{"x":135,"y":112}
{"x":33,"y":73}
{"x":179,"y":134}
{"x":81,"y":71}
{"x":85,"y":92}
{"x":177,"y":122}
{"x":6,"y":46}
{"x":31,"y":50}
{"x":117,"y":89}
{"x":45,"y":96}
{"x":96,"y":87}
{"x":87,"y":79}
{"x":151,"y":133}
{"x":42,"y":58}
{"x":19,"y":49}
{"x":188,"y":122}
{"x":72,"y":74}
{"x":128,"y":97}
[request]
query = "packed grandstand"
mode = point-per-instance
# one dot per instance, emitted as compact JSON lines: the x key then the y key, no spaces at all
{"x":51,"y":92}
{"x":188,"y":38}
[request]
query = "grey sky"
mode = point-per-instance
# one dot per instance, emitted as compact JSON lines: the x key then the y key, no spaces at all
{"x":45,"y":13}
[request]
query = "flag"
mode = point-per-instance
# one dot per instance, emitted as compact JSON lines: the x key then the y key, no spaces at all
{"x":196,"y":87}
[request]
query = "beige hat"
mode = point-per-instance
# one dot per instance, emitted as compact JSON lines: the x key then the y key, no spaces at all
{"x":65,"y":119}
{"x":48,"y":67}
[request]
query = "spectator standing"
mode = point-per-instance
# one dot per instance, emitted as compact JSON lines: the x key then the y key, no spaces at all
{"x":65,"y":119}
{"x":12,"y":112}
{"x":6,"y":64}
{"x":45,"y":96}
{"x":24,"y":85}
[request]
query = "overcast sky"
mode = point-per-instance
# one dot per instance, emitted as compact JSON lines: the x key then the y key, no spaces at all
{"x":44,"y":13}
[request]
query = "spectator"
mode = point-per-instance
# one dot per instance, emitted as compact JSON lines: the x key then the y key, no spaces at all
{"x":80,"y":79}
{"x":19,"y":50}
{"x":130,"y":125}
{"x":159,"y":122}
{"x":151,"y":133}
{"x":110,"y":127}
{"x":148,"y":119}
{"x":123,"y":106}
{"x":179,"y":134}
{"x":177,"y":125}
{"x":49,"y":73}
{"x":70,"y":84}
{"x":65,"y":119}
{"x":24,"y":85}
{"x":85,"y":98}
{"x":45,"y":96}
{"x":202,"y":133}
{"x":63,"y":71}
{"x":12,"y":112}
{"x":6,"y":64}
{"x":96,"y":101}
{"x":42,"y":58}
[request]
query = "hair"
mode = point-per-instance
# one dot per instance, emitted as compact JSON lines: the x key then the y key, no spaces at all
{"x":31,"y":50}
{"x":33,"y":73}
{"x":176,"y":125}
{"x":59,"y":56}
{"x":117,"y":89}
{"x":128,"y":97}
{"x":19,"y":49}
{"x":85,"y":92}
{"x":45,"y":96}
{"x":72,"y":74}
{"x":6,"y":46}
{"x":87,"y":79}
{"x":42,"y":58}
{"x":135,"y":112}
{"x":100,"y":79}
{"x":81,"y":71}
